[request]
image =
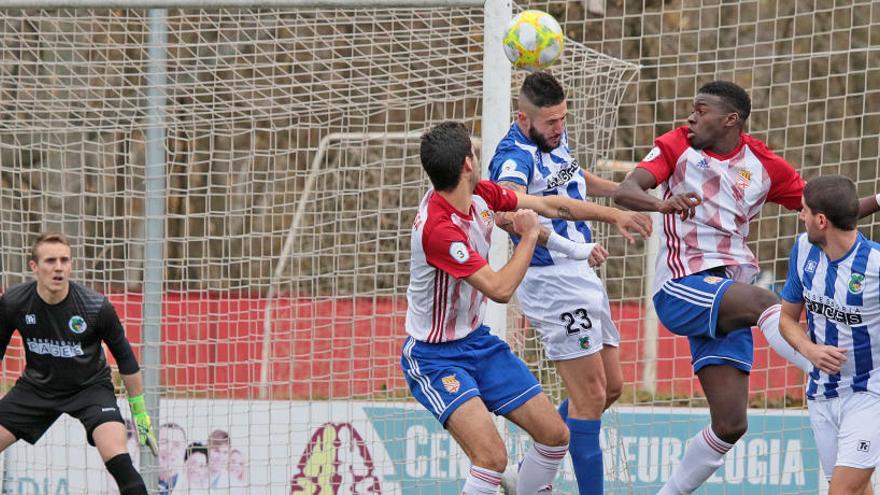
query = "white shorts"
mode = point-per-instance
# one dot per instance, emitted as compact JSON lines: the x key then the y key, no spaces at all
{"x":846,"y":430}
{"x":568,"y":306}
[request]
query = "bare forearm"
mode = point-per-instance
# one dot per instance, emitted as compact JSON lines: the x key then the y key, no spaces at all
{"x":630,"y":195}
{"x":598,"y":187}
{"x":573,"y":209}
{"x":793,"y":333}
{"x":868,"y":206}
{"x":134,"y":384}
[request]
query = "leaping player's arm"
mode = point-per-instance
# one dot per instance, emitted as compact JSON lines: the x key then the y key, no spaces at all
{"x":825,"y":357}
{"x":599,"y":187}
{"x":632,"y":193}
{"x":573,"y":209}
{"x":869,"y":205}
{"x":501,"y":285}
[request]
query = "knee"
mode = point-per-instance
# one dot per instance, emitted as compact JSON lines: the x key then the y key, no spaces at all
{"x":588,"y":401}
{"x":496,"y":460}
{"x":731,"y":429}
{"x":554,"y":434}
{"x":613,"y":392}
{"x":762,"y":300}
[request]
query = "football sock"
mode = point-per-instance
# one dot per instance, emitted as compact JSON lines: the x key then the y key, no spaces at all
{"x":127,"y":478}
{"x":704,"y":454}
{"x":586,"y":454}
{"x":481,"y":481}
{"x":538,"y":468}
{"x":769,"y":325}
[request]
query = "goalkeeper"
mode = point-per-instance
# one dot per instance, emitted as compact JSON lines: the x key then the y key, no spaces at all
{"x":62,"y":325}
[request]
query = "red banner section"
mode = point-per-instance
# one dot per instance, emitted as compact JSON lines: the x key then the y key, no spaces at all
{"x":212,"y":346}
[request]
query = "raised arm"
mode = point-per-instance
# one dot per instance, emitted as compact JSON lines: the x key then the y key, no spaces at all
{"x":573,"y":209}
{"x":869,"y":205}
{"x":599,"y":187}
{"x":501,"y":285}
{"x":825,"y":357}
{"x":632,"y":194}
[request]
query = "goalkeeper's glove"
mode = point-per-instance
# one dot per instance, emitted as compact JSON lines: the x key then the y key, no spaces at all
{"x":145,"y":433}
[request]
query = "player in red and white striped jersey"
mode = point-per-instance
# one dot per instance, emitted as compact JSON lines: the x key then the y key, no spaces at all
{"x":714,"y":180}
{"x":453,"y":365}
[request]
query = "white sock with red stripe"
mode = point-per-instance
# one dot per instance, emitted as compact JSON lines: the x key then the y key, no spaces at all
{"x":769,"y":325}
{"x":538,"y":468}
{"x":704,"y":454}
{"x":481,"y":481}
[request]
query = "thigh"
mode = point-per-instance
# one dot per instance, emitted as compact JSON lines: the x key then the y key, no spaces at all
{"x":585,"y":381}
{"x":541,"y":420}
{"x":823,"y":422}
{"x":25,"y":414}
{"x":439,"y":376}
{"x":93,"y":407}
{"x":473,"y":428}
{"x":849,"y":480}
{"x":568,"y":307}
{"x":110,"y":439}
{"x":689,"y":305}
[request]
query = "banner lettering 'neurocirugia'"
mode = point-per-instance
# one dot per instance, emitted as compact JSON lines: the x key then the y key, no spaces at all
{"x":343,"y":448}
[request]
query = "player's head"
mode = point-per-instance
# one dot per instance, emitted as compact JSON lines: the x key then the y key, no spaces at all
{"x":720,"y":108}
{"x":541,"y":110}
{"x":51,"y":263}
{"x":172,"y":446}
{"x":448,"y":156}
{"x":218,"y":450}
{"x":830,"y":202}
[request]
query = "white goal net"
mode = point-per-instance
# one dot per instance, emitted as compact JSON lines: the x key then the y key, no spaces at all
{"x":292,"y":178}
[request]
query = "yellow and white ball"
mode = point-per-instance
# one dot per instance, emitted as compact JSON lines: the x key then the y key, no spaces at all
{"x":533,"y":40}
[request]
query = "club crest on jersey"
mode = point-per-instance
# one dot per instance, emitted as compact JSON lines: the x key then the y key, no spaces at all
{"x":712,"y":279}
{"x":811,"y":266}
{"x":856,"y":283}
{"x":451,"y":384}
{"x":584,"y":342}
{"x":486,"y":216}
{"x":77,"y":324}
{"x":745,"y":178}
{"x":30,"y":319}
{"x":459,"y":252}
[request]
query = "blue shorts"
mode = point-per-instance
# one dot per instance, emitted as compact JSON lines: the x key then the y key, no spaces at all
{"x":689,"y":306}
{"x":443,"y":376}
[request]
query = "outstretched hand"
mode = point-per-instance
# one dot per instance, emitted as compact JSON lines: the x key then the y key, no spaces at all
{"x":631,"y":221}
{"x":146,"y":435}
{"x":685,"y":204}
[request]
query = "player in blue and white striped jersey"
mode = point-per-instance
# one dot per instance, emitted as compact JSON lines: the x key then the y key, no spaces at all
{"x":835,"y":272}
{"x":561,"y":295}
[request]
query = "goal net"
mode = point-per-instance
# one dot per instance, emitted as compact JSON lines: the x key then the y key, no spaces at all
{"x":292,"y":179}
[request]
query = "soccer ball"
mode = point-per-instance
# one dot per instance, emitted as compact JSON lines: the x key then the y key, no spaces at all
{"x":533,"y":40}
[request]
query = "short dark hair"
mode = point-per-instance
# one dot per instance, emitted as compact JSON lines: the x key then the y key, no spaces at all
{"x":835,"y":197}
{"x":195,"y":448}
{"x":542,"y":90}
{"x":442,"y":151}
{"x":48,"y":238}
{"x":731,"y":94}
